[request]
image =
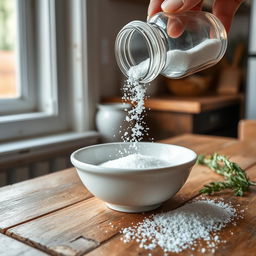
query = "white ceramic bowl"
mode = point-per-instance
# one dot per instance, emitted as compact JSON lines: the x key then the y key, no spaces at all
{"x":133,"y":190}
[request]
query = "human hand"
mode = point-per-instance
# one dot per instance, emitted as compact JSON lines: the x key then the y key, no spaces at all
{"x":223,"y":9}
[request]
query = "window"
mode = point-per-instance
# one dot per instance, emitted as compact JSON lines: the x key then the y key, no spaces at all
{"x":8,"y":74}
{"x":38,"y":92}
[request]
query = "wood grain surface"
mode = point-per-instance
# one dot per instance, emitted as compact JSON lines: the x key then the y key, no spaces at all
{"x":85,"y":226}
{"x":29,"y":199}
{"x":241,"y":242}
{"x":12,"y":247}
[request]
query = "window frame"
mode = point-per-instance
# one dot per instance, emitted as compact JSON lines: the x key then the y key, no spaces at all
{"x":25,"y":101}
{"x":70,"y":104}
{"x":61,"y":94}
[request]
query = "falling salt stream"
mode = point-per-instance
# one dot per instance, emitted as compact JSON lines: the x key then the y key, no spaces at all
{"x":135,"y":92}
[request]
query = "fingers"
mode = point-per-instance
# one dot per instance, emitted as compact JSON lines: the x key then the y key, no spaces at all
{"x":177,"y":6}
{"x":173,"y":6}
{"x":225,"y":11}
{"x":154,"y":7}
{"x":175,"y":27}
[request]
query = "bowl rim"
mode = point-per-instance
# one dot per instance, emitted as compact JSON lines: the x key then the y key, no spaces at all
{"x":111,"y":170}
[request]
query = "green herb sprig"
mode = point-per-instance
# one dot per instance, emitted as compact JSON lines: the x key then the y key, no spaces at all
{"x":234,"y":176}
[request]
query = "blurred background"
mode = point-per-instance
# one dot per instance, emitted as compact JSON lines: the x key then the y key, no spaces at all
{"x":57,"y":64}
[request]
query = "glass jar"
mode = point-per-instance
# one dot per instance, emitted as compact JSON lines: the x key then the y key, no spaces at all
{"x":172,"y":45}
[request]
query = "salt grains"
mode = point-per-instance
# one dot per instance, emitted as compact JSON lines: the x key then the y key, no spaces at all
{"x":177,"y":230}
{"x":179,"y":62}
{"x":135,"y":92}
{"x":136,"y":161}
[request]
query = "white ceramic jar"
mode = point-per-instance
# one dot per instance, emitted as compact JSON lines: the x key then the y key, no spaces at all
{"x":110,"y":121}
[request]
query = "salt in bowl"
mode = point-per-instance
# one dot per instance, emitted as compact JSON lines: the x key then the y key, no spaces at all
{"x":133,"y":190}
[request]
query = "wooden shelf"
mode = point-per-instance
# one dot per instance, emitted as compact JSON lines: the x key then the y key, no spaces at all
{"x":211,"y":114}
{"x":192,"y":105}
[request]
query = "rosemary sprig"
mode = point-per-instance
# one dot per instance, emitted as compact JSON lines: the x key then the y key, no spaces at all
{"x":234,"y":176}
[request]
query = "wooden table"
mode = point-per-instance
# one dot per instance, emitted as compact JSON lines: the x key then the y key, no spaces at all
{"x":56,"y":215}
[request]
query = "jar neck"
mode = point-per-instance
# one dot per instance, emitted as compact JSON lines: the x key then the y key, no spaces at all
{"x":152,"y":43}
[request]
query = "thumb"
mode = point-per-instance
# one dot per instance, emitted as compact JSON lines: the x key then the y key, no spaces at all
{"x":177,"y":6}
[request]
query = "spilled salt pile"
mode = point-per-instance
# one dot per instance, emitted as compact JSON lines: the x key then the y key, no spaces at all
{"x":180,"y":229}
{"x":136,"y":161}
